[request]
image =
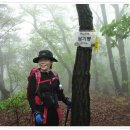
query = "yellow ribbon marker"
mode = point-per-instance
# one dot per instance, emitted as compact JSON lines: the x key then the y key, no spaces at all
{"x":96,"y":46}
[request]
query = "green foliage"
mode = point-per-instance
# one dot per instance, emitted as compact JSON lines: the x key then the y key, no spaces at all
{"x":16,"y":106}
{"x":2,"y":105}
{"x":15,"y":103}
{"x":117,"y":29}
{"x":113,"y":43}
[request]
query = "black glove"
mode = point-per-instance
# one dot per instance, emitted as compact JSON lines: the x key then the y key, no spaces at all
{"x":68,"y":103}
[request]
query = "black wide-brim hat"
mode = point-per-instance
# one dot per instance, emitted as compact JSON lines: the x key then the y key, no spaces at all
{"x":45,"y":54}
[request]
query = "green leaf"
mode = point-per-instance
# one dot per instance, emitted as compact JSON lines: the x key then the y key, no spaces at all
{"x":117,"y":28}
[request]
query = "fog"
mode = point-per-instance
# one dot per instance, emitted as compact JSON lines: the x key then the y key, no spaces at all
{"x":28,"y":28}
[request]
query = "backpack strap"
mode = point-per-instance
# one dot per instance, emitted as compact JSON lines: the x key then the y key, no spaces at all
{"x":56,"y":75}
{"x":38,"y":77}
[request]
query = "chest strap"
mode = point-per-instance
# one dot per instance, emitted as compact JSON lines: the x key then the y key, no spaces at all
{"x":38,"y":78}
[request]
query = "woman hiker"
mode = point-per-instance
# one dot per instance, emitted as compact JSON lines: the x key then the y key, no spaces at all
{"x":44,"y":91}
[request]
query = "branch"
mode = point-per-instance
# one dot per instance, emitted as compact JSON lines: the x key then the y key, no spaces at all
{"x":114,"y":5}
{"x":5,"y":23}
{"x":98,"y":16}
{"x":6,"y":32}
{"x":15,"y":87}
{"x":62,"y":31}
{"x":122,"y":10}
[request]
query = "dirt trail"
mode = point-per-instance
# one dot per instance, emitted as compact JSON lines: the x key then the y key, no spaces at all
{"x":105,"y":111}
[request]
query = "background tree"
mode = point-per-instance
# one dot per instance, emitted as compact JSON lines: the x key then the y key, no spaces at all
{"x":122,"y":55}
{"x":8,"y":37}
{"x":119,"y":30}
{"x":5,"y":27}
{"x":110,"y":55}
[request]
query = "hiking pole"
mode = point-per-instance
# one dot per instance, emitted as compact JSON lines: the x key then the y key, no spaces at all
{"x":67,"y":115}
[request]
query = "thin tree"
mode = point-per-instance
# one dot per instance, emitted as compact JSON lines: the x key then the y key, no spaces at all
{"x":81,"y":74}
{"x":5,"y":93}
{"x":121,"y":49}
{"x":110,"y":55}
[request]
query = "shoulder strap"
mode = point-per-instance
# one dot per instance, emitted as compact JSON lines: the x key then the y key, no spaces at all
{"x":55,"y":74}
{"x":38,"y":77}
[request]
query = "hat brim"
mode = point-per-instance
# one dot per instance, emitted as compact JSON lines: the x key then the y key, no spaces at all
{"x":35,"y":60}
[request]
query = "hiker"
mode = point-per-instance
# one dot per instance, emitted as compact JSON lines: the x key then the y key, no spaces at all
{"x":44,"y":91}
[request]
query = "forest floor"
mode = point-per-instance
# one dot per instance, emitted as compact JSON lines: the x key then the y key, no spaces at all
{"x":105,"y":111}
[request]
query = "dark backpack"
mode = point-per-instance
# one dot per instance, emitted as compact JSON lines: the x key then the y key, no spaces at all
{"x":37,"y":73}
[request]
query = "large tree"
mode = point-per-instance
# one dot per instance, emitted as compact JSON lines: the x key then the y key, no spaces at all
{"x":81,"y":73}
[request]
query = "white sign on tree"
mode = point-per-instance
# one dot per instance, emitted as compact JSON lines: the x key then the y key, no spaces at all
{"x":85,"y":39}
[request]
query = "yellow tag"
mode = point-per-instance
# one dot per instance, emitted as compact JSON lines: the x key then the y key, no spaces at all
{"x":96,"y":46}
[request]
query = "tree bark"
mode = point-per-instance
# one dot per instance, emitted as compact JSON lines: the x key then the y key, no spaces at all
{"x":110,"y":55}
{"x":81,"y":73}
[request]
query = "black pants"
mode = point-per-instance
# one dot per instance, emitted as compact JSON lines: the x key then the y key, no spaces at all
{"x":52,"y":118}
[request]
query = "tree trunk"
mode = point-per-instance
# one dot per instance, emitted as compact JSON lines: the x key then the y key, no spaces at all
{"x":81,"y":73}
{"x":123,"y":63}
{"x":4,"y":92}
{"x":110,"y":55}
{"x":96,"y":81}
{"x":10,"y":78}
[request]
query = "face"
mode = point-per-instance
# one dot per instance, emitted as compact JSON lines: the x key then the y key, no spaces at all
{"x":45,"y":64}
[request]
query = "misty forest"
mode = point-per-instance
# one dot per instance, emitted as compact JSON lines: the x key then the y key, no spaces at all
{"x":96,"y":78}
